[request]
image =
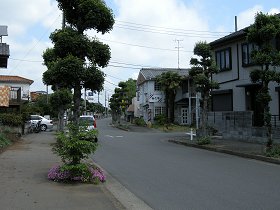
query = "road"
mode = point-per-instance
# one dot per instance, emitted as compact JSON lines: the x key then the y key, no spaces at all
{"x":170,"y":176}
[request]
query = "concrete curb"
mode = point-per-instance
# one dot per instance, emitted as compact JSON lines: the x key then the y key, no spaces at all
{"x":121,"y":193}
{"x":230,"y":152}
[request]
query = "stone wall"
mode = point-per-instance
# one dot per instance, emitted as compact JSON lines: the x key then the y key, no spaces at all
{"x":238,"y":126}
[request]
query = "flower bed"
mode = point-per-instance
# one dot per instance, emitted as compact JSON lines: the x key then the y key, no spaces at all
{"x":88,"y":174}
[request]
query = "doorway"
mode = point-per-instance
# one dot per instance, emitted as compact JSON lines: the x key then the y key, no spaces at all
{"x":184,"y":115}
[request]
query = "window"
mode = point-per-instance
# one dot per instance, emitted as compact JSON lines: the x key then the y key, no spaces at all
{"x":185,"y":86}
{"x":159,"y":110}
{"x":157,"y":86}
{"x":246,"y":53}
{"x":223,"y":59}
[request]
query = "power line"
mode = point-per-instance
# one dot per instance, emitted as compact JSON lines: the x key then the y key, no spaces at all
{"x":143,"y":46}
{"x":176,"y":29}
{"x":111,"y":83}
{"x":170,"y":33}
{"x":27,"y":53}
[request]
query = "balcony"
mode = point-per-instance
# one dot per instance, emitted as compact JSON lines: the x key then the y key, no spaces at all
{"x":15,"y":96}
{"x":4,"y":55}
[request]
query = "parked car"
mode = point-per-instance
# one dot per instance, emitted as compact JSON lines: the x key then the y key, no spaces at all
{"x":45,"y":123}
{"x":89,"y":123}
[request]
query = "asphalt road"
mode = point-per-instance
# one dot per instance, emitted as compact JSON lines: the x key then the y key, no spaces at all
{"x":170,"y":176}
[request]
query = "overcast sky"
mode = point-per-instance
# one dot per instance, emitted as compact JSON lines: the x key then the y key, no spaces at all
{"x":147,"y":33}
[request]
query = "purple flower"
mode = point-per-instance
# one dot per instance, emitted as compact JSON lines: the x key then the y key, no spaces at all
{"x":98,"y":173}
{"x":57,"y":175}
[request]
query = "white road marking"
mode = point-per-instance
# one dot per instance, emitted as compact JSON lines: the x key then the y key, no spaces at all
{"x":110,"y":136}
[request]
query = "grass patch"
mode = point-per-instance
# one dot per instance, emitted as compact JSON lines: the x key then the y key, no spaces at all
{"x":274,"y":151}
{"x":172,"y":127}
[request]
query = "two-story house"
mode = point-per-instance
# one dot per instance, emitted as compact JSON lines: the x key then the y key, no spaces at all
{"x":151,"y":98}
{"x":236,"y":97}
{"x":18,"y":90}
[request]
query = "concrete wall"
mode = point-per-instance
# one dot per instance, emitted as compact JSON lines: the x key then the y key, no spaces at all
{"x":238,"y":126}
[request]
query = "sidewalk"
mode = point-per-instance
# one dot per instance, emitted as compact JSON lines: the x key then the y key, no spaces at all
{"x":238,"y":148}
{"x":24,"y":184}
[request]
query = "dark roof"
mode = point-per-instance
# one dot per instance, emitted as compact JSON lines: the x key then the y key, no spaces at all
{"x":151,"y":73}
{"x":231,"y":37}
{"x":15,"y":79}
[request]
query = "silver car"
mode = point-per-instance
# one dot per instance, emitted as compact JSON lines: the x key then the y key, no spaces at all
{"x":45,"y":123}
{"x":89,"y":121}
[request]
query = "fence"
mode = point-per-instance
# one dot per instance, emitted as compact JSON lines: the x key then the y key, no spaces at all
{"x":239,"y":125}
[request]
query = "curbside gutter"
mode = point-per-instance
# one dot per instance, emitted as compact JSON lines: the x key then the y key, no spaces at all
{"x":230,"y":152}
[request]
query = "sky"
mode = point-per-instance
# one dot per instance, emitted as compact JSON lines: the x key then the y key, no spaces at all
{"x":146,"y":34}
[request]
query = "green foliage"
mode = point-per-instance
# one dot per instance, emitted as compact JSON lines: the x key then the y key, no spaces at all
{"x":4,"y":141}
{"x":203,"y":68}
{"x":61,"y":98}
{"x":263,"y":33}
{"x":211,"y":130}
{"x":78,"y":170}
{"x":88,"y":14}
{"x":201,"y":71}
{"x":10,"y":119}
{"x":66,"y":61}
{"x":73,"y":147}
{"x":204,"y":140}
{"x":170,"y":82}
{"x":140,"y":121}
{"x":122,"y":97}
{"x":274,"y":151}
{"x":160,"y":119}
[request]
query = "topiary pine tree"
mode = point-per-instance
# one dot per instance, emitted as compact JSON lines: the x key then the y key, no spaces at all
{"x":66,"y":61}
{"x":201,"y":71}
{"x":263,"y":33}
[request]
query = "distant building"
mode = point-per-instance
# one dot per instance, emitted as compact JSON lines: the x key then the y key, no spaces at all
{"x":150,"y":98}
{"x":18,"y":90}
{"x":35,"y":94}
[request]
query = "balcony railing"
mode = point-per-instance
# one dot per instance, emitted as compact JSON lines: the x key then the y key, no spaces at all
{"x":15,"y":96}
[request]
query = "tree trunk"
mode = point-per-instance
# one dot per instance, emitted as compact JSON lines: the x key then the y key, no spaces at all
{"x":77,"y":102}
{"x":204,"y":114}
{"x":60,"y":119}
{"x":171,"y":105}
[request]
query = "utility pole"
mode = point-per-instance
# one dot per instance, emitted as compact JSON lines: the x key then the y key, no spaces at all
{"x":178,"y":47}
{"x":105,"y":105}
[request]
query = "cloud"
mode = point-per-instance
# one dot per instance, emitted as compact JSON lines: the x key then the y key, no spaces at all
{"x":247,"y":17}
{"x":153,"y":26}
{"x":29,"y":26}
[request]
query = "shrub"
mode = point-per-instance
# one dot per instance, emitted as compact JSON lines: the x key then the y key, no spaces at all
{"x":204,"y":140}
{"x":211,"y":130}
{"x":140,"y":121}
{"x":10,"y":119}
{"x":274,"y":151}
{"x":73,"y":146}
{"x":160,"y":119}
{"x":4,"y":142}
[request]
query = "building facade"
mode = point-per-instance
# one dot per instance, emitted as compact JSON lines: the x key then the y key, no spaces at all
{"x":151,"y":98}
